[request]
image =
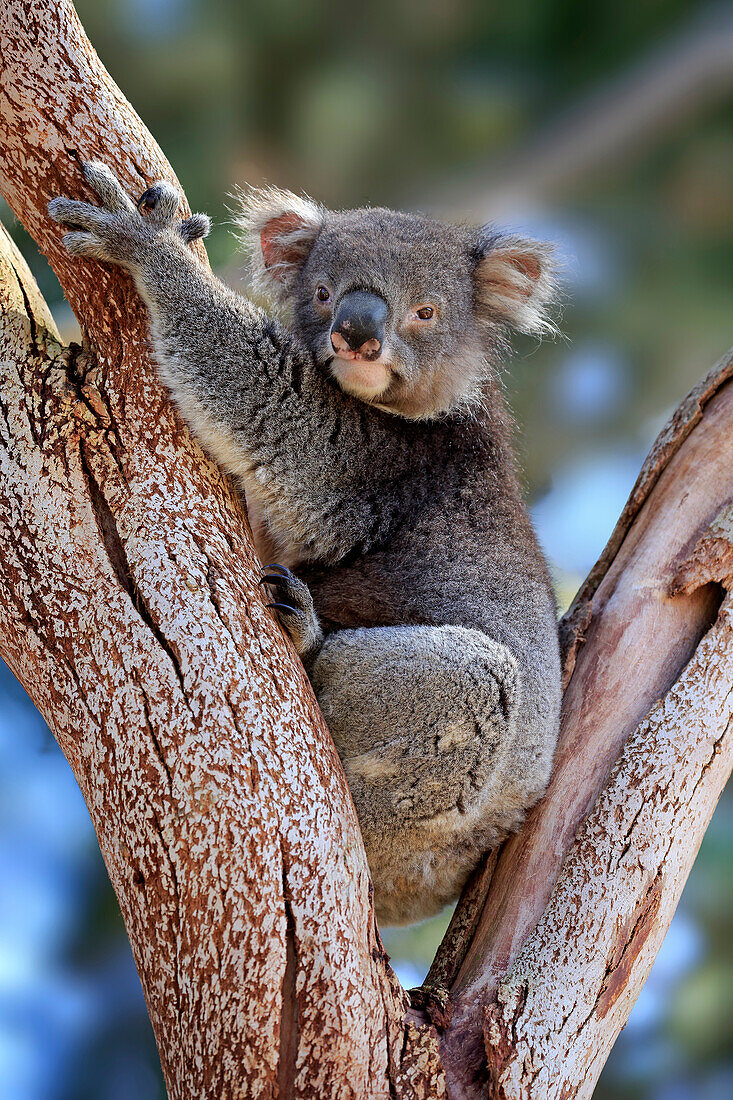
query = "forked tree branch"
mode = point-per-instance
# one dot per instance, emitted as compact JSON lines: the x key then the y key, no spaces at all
{"x":128,"y":609}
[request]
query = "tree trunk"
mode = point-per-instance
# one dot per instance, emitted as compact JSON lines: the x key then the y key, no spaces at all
{"x":129,"y":610}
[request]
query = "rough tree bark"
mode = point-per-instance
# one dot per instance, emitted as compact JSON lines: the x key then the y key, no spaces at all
{"x":129,"y":611}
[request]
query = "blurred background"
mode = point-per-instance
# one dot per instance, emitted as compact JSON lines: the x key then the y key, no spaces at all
{"x":607,"y":129}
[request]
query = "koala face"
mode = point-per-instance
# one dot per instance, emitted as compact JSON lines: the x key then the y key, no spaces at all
{"x":385,"y":301}
{"x":405,"y":312}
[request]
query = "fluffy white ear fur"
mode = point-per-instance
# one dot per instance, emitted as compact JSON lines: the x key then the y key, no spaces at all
{"x":278,"y":230}
{"x":515,"y":283}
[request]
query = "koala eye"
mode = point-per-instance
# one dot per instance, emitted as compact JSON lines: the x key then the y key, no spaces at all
{"x":323,"y":294}
{"x":423,"y":313}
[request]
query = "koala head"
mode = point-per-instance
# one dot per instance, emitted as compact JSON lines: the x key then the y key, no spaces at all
{"x":406,"y":313}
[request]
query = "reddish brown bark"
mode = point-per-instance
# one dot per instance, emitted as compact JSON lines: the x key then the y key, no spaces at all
{"x":128,"y":609}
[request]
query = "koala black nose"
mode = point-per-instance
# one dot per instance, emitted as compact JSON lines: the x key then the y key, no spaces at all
{"x":359,"y":324}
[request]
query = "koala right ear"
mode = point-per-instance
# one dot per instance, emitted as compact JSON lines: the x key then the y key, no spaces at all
{"x":278,"y":231}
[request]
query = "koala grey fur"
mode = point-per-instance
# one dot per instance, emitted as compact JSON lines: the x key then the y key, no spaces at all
{"x":422,"y":605}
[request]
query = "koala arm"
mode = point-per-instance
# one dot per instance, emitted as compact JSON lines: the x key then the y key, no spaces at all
{"x":250,"y":392}
{"x":216,"y":346}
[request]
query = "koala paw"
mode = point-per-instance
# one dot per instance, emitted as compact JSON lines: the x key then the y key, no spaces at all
{"x":120,"y":231}
{"x":294,"y":607}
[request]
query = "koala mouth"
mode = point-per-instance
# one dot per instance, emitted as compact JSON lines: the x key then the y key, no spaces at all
{"x":361,"y":376}
{"x":358,"y":356}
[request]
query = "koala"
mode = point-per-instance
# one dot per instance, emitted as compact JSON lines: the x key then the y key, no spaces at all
{"x":367,"y":430}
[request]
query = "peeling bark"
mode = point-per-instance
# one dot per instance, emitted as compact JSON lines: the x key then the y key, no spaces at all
{"x":129,"y":610}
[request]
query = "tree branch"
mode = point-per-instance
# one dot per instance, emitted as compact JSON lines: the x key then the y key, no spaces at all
{"x":559,"y":1011}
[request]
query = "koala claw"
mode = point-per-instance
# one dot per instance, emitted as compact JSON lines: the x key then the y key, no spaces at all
{"x":275,"y":578}
{"x":293,"y":589}
{"x":148,"y":199}
{"x":159,"y":202}
{"x":301,"y":621}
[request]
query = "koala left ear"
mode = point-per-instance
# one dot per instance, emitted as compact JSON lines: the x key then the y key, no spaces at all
{"x":278,"y":231}
{"x":515,"y":281}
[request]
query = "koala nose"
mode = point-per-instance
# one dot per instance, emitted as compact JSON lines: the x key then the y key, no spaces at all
{"x":359,"y":324}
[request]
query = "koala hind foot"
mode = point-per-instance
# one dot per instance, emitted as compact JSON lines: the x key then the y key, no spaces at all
{"x":294,"y":606}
